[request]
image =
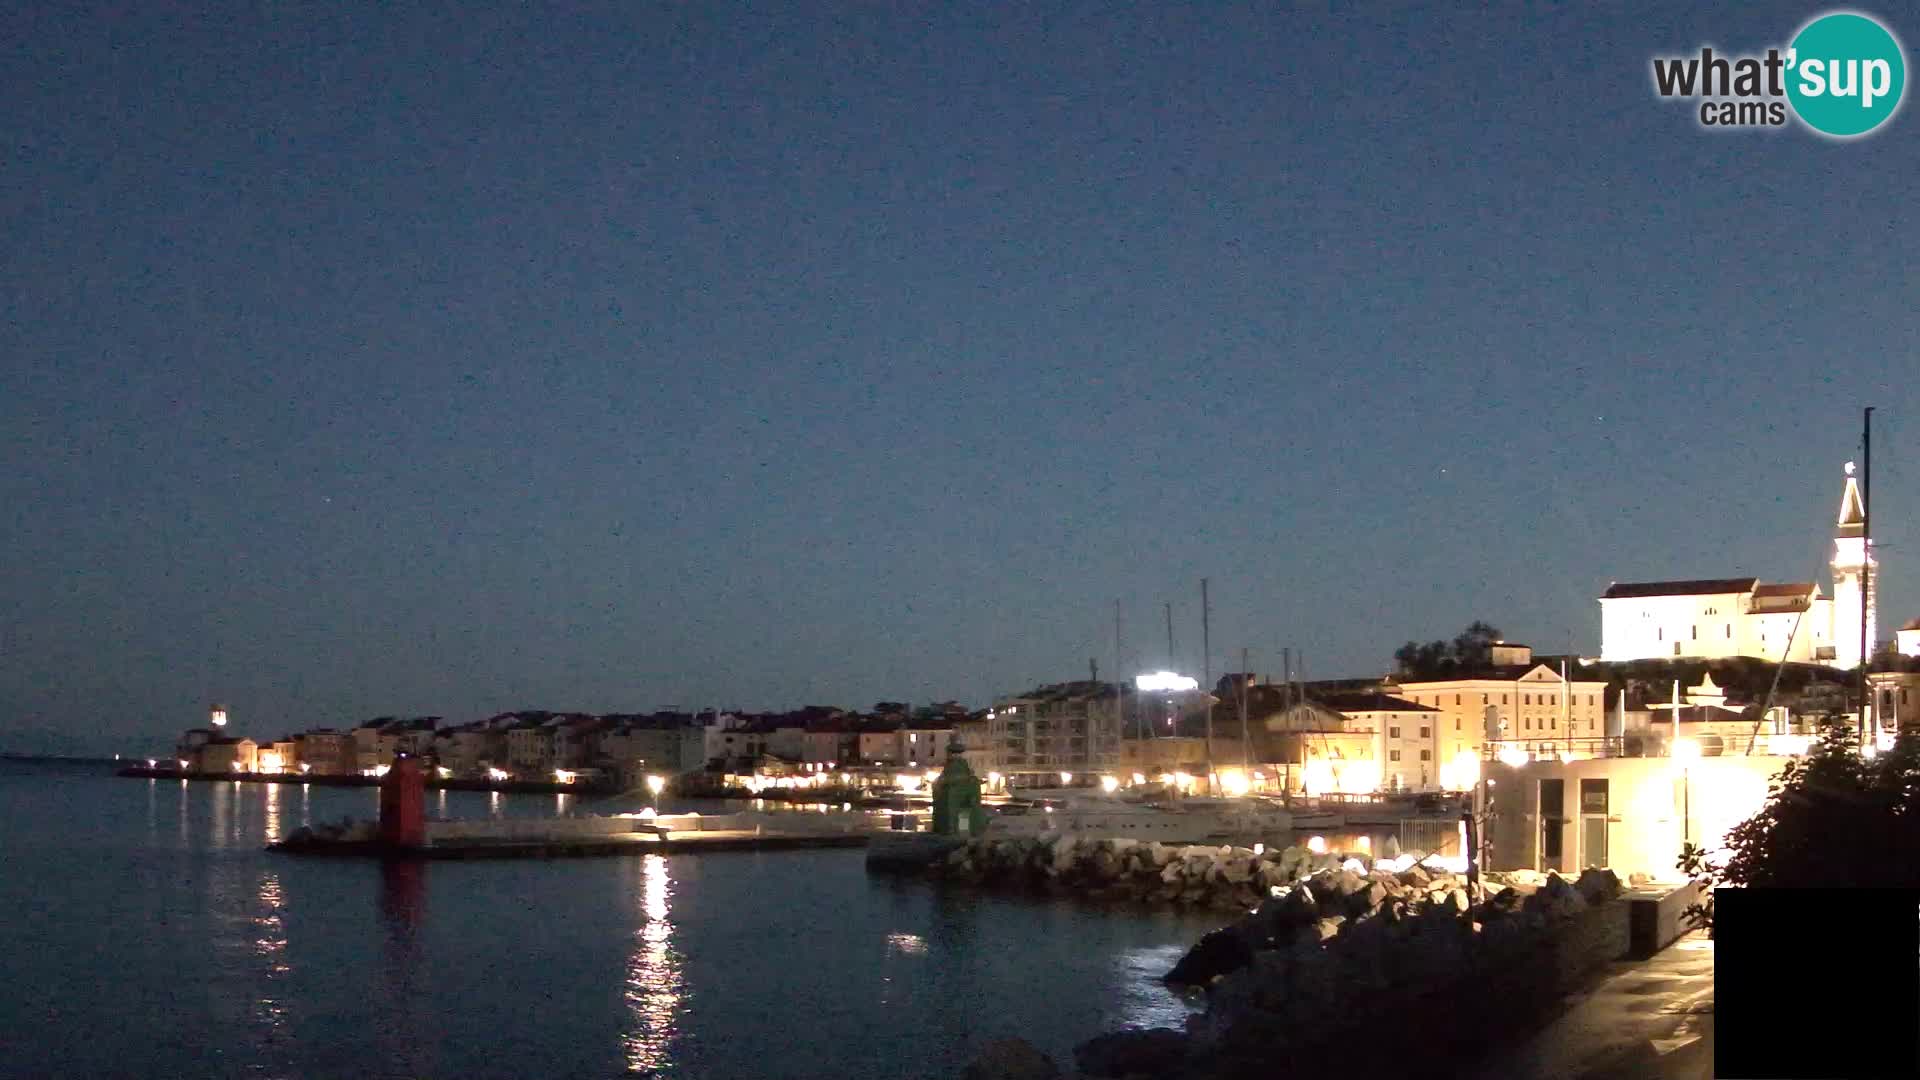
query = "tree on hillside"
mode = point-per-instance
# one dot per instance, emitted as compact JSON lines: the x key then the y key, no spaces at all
{"x":1832,"y":820}
{"x":1471,"y":648}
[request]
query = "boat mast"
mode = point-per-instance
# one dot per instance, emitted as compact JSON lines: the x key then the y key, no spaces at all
{"x":1246,"y":739}
{"x":1206,"y":685}
{"x":1866,"y":563}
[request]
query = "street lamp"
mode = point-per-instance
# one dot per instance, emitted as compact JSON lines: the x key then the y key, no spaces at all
{"x":1686,"y":751}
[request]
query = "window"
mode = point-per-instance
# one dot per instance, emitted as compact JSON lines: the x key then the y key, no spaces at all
{"x":1527,"y":723}
{"x":1393,"y":733}
{"x":1426,"y":733}
{"x":1393,"y":755}
{"x":1694,"y":633}
{"x":1503,"y":699}
{"x":1426,"y":755}
{"x":1526,"y":699}
{"x":1729,"y":631}
{"x":1456,"y":699}
{"x":1456,"y":720}
{"x":1483,"y":698}
{"x":1660,"y":634}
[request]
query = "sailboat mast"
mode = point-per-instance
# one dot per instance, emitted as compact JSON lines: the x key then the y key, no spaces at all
{"x":1866,"y":563}
{"x":1206,"y":684}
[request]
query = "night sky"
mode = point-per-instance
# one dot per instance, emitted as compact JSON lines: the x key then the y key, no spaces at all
{"x":648,"y":356}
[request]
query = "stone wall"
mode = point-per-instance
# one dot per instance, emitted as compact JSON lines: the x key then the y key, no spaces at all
{"x":1220,"y":878}
{"x":1379,"y":971}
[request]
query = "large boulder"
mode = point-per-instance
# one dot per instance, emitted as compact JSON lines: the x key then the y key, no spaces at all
{"x":1133,"y":1052}
{"x":1596,"y":885}
{"x":1365,"y":900}
{"x":1216,"y":954}
{"x":1011,"y":1059}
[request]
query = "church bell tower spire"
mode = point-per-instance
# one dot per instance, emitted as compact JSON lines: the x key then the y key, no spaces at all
{"x":1853,"y":567}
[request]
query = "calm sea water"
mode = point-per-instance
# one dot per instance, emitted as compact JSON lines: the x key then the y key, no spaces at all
{"x":148,"y":934}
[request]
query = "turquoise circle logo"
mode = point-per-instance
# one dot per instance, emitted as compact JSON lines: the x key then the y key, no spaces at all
{"x":1847,"y":75}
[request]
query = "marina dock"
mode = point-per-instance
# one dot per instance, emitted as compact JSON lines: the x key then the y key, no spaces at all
{"x":581,"y":847}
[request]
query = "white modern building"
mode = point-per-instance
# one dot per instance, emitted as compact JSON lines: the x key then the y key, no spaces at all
{"x":1906,"y":640}
{"x":1714,"y":618}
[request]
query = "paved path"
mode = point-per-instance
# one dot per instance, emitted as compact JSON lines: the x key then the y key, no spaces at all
{"x":1647,"y":1018}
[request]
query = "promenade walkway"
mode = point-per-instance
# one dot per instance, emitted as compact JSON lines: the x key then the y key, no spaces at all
{"x":1648,"y":1019}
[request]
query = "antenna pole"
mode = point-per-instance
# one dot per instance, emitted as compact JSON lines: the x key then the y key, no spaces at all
{"x":1866,"y":566}
{"x":1206,"y":685}
{"x":1246,"y":737}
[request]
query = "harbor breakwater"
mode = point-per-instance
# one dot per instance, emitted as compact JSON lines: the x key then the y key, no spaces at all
{"x":1224,"y":878}
{"x":1387,"y":969}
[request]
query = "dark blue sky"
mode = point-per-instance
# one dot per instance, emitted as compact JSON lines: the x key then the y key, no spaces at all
{"x":638,"y":357}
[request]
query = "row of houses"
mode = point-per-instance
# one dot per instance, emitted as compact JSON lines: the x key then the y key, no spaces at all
{"x":541,"y":745}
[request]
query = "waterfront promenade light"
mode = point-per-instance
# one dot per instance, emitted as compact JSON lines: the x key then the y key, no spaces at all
{"x":1513,"y":756}
{"x":1167,"y":681}
{"x":497,"y":775}
{"x":1109,"y":784}
{"x":1066,"y":778}
{"x":656,"y":784}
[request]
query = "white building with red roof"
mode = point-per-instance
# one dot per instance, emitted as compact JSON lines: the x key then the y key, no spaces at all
{"x":1715,"y":618}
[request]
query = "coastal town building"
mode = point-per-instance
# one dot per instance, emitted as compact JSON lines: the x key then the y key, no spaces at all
{"x":1631,"y":814}
{"x":1896,"y":701}
{"x":471,"y":749}
{"x":1071,"y":727}
{"x":225,"y":754}
{"x":1741,"y":616}
{"x":326,"y":752}
{"x":1406,"y":745}
{"x":1906,"y":640}
{"x":667,"y":744}
{"x":1525,"y":701}
{"x":530,"y":749}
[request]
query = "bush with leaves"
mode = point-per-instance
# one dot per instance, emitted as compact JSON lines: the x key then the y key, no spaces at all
{"x":1833,"y":819}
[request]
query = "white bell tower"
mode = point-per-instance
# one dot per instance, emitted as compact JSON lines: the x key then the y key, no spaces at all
{"x":1853,"y":573}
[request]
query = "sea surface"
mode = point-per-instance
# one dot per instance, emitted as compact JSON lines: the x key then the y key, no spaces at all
{"x":147,"y":933}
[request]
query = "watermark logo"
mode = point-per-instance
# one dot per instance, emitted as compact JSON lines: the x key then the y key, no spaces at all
{"x":1843,"y":75}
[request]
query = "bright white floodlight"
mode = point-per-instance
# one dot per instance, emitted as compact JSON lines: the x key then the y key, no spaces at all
{"x":1165,"y":680}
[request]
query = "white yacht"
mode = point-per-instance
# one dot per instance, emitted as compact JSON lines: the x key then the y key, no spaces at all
{"x":1242,"y":821}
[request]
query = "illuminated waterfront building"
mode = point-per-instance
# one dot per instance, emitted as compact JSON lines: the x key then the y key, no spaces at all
{"x":1725,"y":617}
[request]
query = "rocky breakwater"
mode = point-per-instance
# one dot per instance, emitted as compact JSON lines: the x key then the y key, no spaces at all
{"x":1221,"y":878}
{"x":1377,"y":971}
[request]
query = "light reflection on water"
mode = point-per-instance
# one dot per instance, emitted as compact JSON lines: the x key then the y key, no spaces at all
{"x":271,"y":823}
{"x":270,"y":948}
{"x":233,"y":961}
{"x":653,"y":976}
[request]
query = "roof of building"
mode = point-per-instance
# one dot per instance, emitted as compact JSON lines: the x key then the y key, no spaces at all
{"x":1791,"y":588}
{"x":1621,"y":590}
{"x":1853,"y":513}
{"x":1912,"y":624}
{"x":1371,"y":702}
